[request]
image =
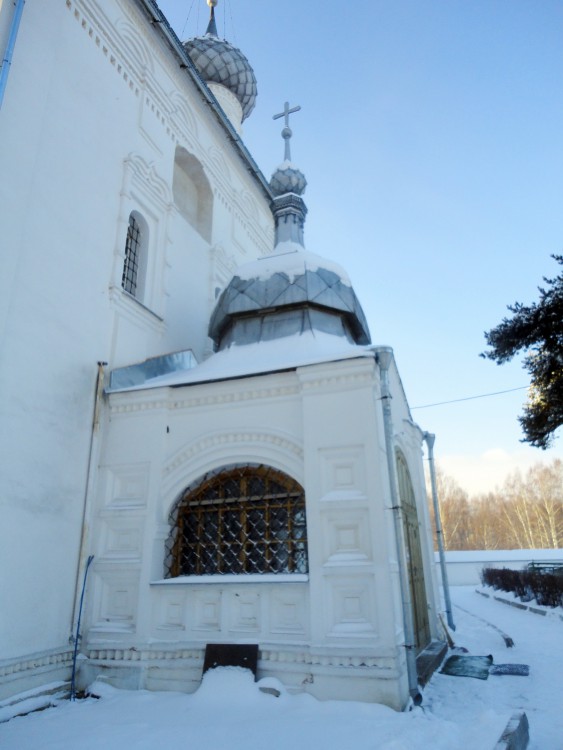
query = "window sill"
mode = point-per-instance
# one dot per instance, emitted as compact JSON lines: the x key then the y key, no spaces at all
{"x":134,"y":308}
{"x":137,"y":301}
{"x":233,"y":578}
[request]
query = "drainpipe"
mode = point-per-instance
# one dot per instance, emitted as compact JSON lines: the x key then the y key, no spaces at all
{"x":384,"y":357}
{"x":430,"y":438}
{"x":8,"y":54}
{"x":88,"y":489}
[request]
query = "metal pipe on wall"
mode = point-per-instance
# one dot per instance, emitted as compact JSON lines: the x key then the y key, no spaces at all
{"x":384,"y":357}
{"x":430,"y":438}
{"x":94,"y":434}
{"x":9,"y":52}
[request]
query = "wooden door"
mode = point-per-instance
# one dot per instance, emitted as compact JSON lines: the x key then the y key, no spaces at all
{"x":415,"y":566}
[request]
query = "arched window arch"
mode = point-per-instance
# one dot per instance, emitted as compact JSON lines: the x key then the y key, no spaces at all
{"x":192,"y":192}
{"x":238,"y":519}
{"x":136,"y":249}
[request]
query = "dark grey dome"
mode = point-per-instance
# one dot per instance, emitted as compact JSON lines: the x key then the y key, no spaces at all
{"x":280,"y":295}
{"x":218,"y":61}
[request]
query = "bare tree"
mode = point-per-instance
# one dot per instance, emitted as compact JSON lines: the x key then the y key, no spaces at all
{"x":525,"y":513}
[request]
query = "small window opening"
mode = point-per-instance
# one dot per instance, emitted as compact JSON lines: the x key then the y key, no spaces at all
{"x":129,"y":279}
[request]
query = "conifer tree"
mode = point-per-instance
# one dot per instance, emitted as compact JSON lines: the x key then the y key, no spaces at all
{"x":536,"y":330}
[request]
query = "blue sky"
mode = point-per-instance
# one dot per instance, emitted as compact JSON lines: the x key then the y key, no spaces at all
{"x":431,"y":138}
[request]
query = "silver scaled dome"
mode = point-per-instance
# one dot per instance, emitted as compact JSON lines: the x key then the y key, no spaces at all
{"x":218,"y":61}
{"x":285,"y":294}
{"x":288,"y":179}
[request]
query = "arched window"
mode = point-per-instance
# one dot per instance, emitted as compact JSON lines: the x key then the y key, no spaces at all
{"x":192,"y":193}
{"x":239,"y":519}
{"x":135,"y":263}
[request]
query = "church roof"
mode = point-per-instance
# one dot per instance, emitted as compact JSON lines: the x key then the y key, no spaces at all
{"x":288,"y":281}
{"x":261,"y":358}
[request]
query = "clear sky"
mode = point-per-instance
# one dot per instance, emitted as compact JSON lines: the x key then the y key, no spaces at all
{"x":431,"y":136}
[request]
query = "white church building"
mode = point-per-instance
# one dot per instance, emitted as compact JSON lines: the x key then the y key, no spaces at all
{"x":187,"y":394}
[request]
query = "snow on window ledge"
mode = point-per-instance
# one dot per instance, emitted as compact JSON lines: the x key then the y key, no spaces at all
{"x":234,"y":578}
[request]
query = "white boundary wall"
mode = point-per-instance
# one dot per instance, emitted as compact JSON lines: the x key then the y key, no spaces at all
{"x":464,"y":568}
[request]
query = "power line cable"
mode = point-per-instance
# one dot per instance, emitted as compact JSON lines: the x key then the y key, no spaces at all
{"x":471,"y":398}
{"x":187,"y":19}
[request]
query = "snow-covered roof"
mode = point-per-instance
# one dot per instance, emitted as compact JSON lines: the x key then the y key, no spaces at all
{"x":285,"y":280}
{"x":310,"y":348}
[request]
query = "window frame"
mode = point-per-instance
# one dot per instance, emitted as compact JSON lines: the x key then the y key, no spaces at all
{"x":258,"y":515}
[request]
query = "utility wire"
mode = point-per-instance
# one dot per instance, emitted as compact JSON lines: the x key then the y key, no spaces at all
{"x":471,"y":398}
{"x":187,"y":19}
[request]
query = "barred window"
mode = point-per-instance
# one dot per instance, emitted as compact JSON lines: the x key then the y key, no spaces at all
{"x":129,"y":279}
{"x":240,"y":519}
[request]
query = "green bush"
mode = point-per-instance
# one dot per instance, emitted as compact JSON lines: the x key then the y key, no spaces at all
{"x":545,"y":588}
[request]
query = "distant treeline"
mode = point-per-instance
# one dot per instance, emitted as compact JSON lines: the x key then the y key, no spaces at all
{"x":525,"y":513}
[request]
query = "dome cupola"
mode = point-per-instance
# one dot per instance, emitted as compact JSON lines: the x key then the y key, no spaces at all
{"x":292,"y":291}
{"x":225,"y":69}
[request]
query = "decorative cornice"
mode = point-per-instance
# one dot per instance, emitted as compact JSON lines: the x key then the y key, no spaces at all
{"x":144,"y":654}
{"x":105,"y":35}
{"x":14,"y":667}
{"x":337,"y":380}
{"x":144,"y":177}
{"x":122,"y":45}
{"x":279,"y":656}
{"x":153,"y":398}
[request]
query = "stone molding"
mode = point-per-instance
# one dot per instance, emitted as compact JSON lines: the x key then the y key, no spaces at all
{"x":13,"y":668}
{"x":222,"y":439}
{"x":120,"y":403}
{"x":121,"y":43}
{"x":278,"y":656}
{"x":143,"y":176}
{"x":312,"y":377}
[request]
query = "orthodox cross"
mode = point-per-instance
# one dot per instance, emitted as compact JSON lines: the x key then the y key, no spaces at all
{"x":286,"y":132}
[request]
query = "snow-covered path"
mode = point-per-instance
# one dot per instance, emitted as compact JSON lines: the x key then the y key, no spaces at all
{"x":229,"y":711}
{"x":538,"y":642}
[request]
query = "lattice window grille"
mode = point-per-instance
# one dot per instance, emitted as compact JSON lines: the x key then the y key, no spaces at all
{"x":248,"y":519}
{"x":132,"y":253}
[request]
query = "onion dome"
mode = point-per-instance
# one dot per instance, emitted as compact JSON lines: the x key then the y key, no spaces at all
{"x":291,"y":292}
{"x":288,"y":179}
{"x":218,"y":61}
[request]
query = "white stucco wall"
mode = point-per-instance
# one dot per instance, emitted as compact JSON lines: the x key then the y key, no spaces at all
{"x":95,"y":106}
{"x":322,"y":425}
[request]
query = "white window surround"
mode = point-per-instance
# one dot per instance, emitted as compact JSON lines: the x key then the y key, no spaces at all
{"x":147,"y":197}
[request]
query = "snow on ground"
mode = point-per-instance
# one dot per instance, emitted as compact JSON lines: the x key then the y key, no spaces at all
{"x":230,"y":712}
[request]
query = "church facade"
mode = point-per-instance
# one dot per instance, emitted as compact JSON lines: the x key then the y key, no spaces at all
{"x":188,"y":394}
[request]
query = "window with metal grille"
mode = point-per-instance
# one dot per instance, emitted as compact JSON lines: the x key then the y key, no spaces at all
{"x":240,"y":519}
{"x":129,"y":278}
